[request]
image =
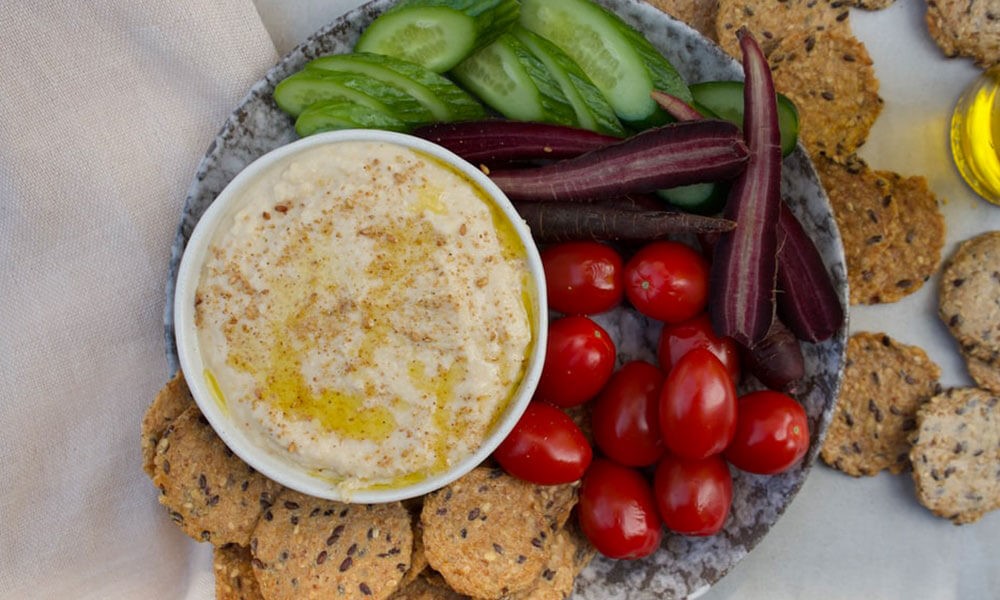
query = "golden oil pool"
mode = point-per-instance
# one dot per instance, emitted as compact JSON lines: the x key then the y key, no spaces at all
{"x":975,"y":135}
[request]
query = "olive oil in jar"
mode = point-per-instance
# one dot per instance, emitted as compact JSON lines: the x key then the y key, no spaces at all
{"x":975,"y":135}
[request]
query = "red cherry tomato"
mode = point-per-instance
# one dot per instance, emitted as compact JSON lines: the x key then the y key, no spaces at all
{"x":772,"y":433}
{"x":583,"y":278}
{"x":624,"y":416}
{"x":667,"y":281}
{"x":693,"y":495}
{"x":698,"y":406}
{"x":579,"y":359}
{"x":617,"y":511}
{"x":545,"y":447}
{"x":676,"y":340}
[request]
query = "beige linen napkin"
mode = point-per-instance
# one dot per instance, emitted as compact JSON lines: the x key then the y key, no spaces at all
{"x":106,"y":107}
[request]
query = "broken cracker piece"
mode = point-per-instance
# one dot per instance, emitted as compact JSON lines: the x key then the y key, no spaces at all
{"x":956,"y":454}
{"x":884,"y":384}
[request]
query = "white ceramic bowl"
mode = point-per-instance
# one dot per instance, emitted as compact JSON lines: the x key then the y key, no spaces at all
{"x":264,"y":457}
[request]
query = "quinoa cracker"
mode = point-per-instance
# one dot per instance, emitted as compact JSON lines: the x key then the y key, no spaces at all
{"x":307,"y":547}
{"x":966,"y":28}
{"x":830,"y":78}
{"x":425,"y":588}
{"x":771,"y":21}
{"x":172,"y":400}
{"x":986,"y":375}
{"x":969,"y":298}
{"x":956,"y":454}
{"x":234,"y":578}
{"x":571,"y":553}
{"x":210,"y":493}
{"x":914,"y":250}
{"x":872,"y":4}
{"x":489,"y":534}
{"x":865,"y":215}
{"x":699,"y":14}
{"x":884,"y":384}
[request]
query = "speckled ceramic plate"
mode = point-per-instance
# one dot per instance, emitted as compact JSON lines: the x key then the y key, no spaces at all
{"x":683,"y":567}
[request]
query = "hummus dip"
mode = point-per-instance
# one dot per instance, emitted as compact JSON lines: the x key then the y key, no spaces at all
{"x":367,"y":312}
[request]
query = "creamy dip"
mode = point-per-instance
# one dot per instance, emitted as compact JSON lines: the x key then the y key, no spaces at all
{"x":366,"y":312}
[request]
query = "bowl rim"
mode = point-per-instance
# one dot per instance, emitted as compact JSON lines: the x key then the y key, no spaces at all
{"x":282,"y":470}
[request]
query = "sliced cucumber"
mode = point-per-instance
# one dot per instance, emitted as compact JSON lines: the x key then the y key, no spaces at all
{"x":437,"y":34}
{"x":724,"y":99}
{"x":329,"y":115}
{"x":593,"y":111}
{"x":698,"y":198}
{"x":295,"y":93}
{"x":445,"y":100}
{"x":509,"y":78}
{"x":616,"y":57}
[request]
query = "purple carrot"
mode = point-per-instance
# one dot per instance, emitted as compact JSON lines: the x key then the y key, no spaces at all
{"x":675,"y":107}
{"x":609,"y":221}
{"x":663,"y":157}
{"x":744,"y":264}
{"x":496,"y":141}
{"x":807,"y":300}
{"x":776,"y":360}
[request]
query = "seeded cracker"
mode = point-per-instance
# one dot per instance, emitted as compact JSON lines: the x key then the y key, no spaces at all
{"x":956,"y":454}
{"x":771,"y":21}
{"x":169,"y":403}
{"x":699,"y":14}
{"x":830,"y":78}
{"x":969,"y":301}
{"x":306,"y":547}
{"x":884,"y":384}
{"x":571,"y":553}
{"x":423,"y":588}
{"x":234,"y":578}
{"x":865,"y":215}
{"x":966,"y":28}
{"x":914,"y":250}
{"x":490,"y":534}
{"x":212,"y":494}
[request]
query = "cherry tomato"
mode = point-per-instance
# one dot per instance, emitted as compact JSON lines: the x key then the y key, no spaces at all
{"x":624,"y":416}
{"x":617,"y":511}
{"x":579,"y":359}
{"x":583,"y":278}
{"x":698,"y":406}
{"x":667,"y":281}
{"x":545,"y":447}
{"x":772,"y":433}
{"x":676,"y":340}
{"x":693,"y":495}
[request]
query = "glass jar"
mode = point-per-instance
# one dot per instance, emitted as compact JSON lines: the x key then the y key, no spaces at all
{"x":975,"y":135}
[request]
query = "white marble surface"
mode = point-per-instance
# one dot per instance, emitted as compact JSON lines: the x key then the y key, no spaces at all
{"x":841,"y":537}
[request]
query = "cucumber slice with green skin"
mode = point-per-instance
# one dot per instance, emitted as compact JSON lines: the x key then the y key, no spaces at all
{"x":593,"y":111}
{"x":724,"y":99}
{"x":698,"y":198}
{"x":446,"y":101}
{"x":330,"y":115}
{"x":616,"y":57}
{"x":437,"y":34}
{"x":510,"y":79}
{"x":296,"y":92}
